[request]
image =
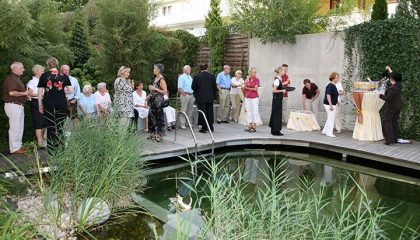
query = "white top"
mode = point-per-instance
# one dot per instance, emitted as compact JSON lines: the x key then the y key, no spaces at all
{"x":140,"y":100}
{"x":103,"y":100}
{"x":236,"y":90}
{"x":339,"y":87}
{"x":33,"y":85}
{"x":276,"y":82}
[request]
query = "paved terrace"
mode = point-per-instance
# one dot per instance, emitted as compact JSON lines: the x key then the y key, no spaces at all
{"x":232,"y":134}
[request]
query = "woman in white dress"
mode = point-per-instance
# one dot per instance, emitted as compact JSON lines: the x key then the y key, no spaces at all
{"x":141,"y":110}
{"x":170,"y":117}
{"x":235,"y":97}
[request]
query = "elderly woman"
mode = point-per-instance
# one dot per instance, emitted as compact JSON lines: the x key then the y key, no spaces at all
{"x":310,"y":93}
{"x":86,"y":106}
{"x":277,"y":107}
{"x":393,"y":104}
{"x":141,"y":110}
{"x":330,"y":103}
{"x":102,"y":100}
{"x":123,"y":96}
{"x":158,"y":89}
{"x":52,"y":102}
{"x":37,"y":117}
{"x":235,"y":97}
{"x":252,"y":100}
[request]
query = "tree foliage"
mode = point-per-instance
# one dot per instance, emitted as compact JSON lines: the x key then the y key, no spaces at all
{"x":380,"y":10}
{"x":370,"y":46}
{"x":216,"y":40}
{"x":189,"y":47}
{"x":79,"y":42}
{"x":408,"y":9}
{"x":279,"y":20}
{"x":214,"y":19}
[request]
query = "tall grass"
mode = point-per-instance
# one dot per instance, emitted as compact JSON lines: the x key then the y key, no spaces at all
{"x":271,"y":209}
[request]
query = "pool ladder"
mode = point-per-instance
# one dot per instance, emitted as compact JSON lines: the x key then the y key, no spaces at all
{"x":192,"y":131}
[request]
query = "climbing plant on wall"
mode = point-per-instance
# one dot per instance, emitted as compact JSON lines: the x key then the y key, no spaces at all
{"x":370,"y":46}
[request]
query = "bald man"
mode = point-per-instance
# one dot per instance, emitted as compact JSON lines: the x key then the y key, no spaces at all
{"x":186,"y":95}
{"x":15,"y":96}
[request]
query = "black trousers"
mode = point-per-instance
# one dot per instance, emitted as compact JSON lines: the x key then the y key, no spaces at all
{"x":207,"y":108}
{"x":391,"y":125}
{"x":54,"y":121}
{"x":276,"y":114}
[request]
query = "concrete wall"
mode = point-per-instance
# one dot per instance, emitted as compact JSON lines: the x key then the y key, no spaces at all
{"x":314,"y":56}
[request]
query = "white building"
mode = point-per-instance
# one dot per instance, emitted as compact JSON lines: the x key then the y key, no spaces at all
{"x":185,"y":14}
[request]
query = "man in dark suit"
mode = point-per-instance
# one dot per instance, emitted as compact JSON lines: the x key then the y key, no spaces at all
{"x":205,"y":92}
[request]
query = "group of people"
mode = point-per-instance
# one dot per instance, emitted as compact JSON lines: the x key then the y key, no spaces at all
{"x":54,"y":96}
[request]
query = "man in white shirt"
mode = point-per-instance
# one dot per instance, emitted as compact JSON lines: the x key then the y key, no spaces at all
{"x":74,"y":96}
{"x":338,"y":117}
{"x":186,"y":95}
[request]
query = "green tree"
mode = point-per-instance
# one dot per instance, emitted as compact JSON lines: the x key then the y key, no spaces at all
{"x":408,"y":9}
{"x":79,"y":43}
{"x":279,"y":20}
{"x":189,"y":47}
{"x":380,"y":10}
{"x":214,"y":19}
{"x":71,"y":5}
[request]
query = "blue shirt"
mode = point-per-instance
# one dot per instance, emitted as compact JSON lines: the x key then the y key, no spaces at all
{"x":88,"y":104}
{"x":223,"y":80}
{"x":76,"y":89}
{"x":331,"y":89}
{"x":185,"y":82}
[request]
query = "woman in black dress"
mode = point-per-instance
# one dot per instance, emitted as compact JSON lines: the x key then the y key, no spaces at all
{"x":52,"y":90}
{"x":158,"y":90}
{"x":276,"y":109}
{"x":393,"y":104}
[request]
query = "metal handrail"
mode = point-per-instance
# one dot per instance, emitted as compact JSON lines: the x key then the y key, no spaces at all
{"x":211,"y":133}
{"x":191,"y":130}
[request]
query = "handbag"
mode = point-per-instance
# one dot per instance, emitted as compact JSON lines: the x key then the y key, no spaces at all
{"x":165,"y":102}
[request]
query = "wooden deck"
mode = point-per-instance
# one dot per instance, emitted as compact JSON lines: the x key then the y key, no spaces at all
{"x":232,"y":134}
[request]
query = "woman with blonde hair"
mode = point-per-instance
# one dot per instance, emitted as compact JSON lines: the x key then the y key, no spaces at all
{"x":276,"y":108}
{"x":330,"y":104}
{"x":252,"y":100}
{"x":123,"y":96}
{"x":235,"y":97}
{"x":37,"y":116}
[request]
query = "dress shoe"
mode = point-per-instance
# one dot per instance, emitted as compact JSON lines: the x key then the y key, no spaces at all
{"x":219,"y":122}
{"x":225,"y":121}
{"x":203,"y":131}
{"x":277,"y":134}
{"x":20,"y":151}
{"x":338,"y":131}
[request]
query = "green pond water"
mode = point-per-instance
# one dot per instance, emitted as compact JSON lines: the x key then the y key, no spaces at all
{"x":382,"y":188}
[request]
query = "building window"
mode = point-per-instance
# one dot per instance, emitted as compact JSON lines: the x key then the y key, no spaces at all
{"x":166,"y":10}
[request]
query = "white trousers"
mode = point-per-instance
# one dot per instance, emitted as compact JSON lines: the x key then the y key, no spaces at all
{"x":329,"y":124}
{"x":252,"y":112}
{"x":338,"y":118}
{"x":16,"y":115}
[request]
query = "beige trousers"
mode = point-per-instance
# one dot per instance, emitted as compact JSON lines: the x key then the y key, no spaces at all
{"x":236,"y":106}
{"x":222,"y":113}
{"x":313,"y":106}
{"x":16,"y":115}
{"x":187,"y":103}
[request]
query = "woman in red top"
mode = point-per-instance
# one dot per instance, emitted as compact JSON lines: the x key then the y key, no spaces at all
{"x":251,"y":100}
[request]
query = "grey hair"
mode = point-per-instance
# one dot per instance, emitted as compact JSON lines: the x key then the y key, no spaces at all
{"x":122,"y":70}
{"x":65,"y":66}
{"x":37,"y":67}
{"x":185,"y":67}
{"x":101,"y":85}
{"x":160,"y":67}
{"x":52,"y":62}
{"x":86,"y":88}
{"x":15,"y":65}
{"x":226,"y":66}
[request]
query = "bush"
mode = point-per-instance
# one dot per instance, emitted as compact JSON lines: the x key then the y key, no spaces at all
{"x":189,"y":47}
{"x":216,"y":39}
{"x":380,"y":10}
{"x":370,"y":46}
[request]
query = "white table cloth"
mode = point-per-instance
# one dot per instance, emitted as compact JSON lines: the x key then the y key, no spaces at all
{"x":371,"y":128}
{"x":302,"y":121}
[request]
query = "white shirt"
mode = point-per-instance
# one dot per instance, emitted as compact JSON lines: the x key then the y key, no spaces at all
{"x":102,"y":100}
{"x":33,"y":85}
{"x":276,"y":82}
{"x":236,"y":90}
{"x":140,"y":100}
{"x":339,"y":87}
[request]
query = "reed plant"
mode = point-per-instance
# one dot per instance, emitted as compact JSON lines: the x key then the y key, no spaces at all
{"x":271,"y":208}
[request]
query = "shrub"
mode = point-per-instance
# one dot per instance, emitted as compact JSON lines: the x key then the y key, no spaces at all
{"x":216,"y":40}
{"x":189,"y":47}
{"x":380,"y":10}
